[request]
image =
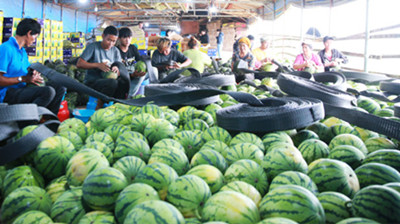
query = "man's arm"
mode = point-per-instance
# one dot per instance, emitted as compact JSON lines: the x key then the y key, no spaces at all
{"x":88,"y":65}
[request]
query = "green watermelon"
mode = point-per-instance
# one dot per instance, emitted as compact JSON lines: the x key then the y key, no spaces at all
{"x":132,"y":147}
{"x":102,"y":187}
{"x":153,"y":110}
{"x":211,"y":157}
{"x":140,"y":66}
{"x":74,"y":125}
{"x":390,"y":157}
{"x":57,"y":187}
{"x":157,"y":175}
{"x":217,"y":133}
{"x":109,"y":75}
{"x":183,"y":113}
{"x":379,"y":203}
{"x":368,"y":104}
{"x":82,"y":163}
{"x":246,"y":137}
{"x":68,"y":207}
{"x":139,"y":122}
{"x":103,"y":118}
{"x":336,"y":206}
{"x":277,"y":220}
{"x":394,"y":185}
{"x":245,"y":189}
{"x":249,"y":172}
{"x":173,"y":157}
{"x":334,"y":175}
{"x":33,"y":217}
{"x":232,"y":207}
{"x":188,"y":194}
{"x":357,"y":220}
{"x":116,"y":129}
{"x":101,"y":147}
{"x":130,"y":166}
{"x":330,"y":121}
{"x":376,"y":173}
{"x":292,"y":202}
{"x":158,"y":129}
{"x":276,"y":138}
{"x":210,"y":174}
{"x":199,"y":114}
{"x":74,"y":138}
{"x":282,"y":158}
{"x":154,"y":212}
{"x":167,"y":143}
{"x":294,"y":178}
{"x":313,"y":149}
{"x":190,"y":141}
{"x":267,"y":67}
{"x":52,"y":155}
{"x":377,"y":143}
{"x":344,"y":128}
{"x":131,"y":196}
{"x":22,"y":200}
{"x":192,"y":221}
{"x":244,"y":151}
{"x":348,"y":154}
{"x":364,"y":134}
{"x":348,"y":139}
{"x":216,"y":145}
{"x":324,"y":132}
{"x":101,"y":137}
{"x":172,"y":116}
{"x":21,"y":176}
{"x":384,"y":112}
{"x":130,"y":135}
{"x":303,"y":135}
{"x":102,"y":217}
{"x":195,"y":124}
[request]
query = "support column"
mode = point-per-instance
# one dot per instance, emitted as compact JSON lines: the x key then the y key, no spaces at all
{"x":367,"y":30}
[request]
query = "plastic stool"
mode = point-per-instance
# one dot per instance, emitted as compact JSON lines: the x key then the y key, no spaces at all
{"x":141,"y":87}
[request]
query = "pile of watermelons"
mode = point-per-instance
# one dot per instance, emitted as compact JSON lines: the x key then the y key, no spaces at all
{"x":155,"y":164}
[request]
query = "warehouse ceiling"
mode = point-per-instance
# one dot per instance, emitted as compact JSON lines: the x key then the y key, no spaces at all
{"x":130,"y":12}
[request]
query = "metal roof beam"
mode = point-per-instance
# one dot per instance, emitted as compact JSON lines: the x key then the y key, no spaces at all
{"x":176,"y":1}
{"x":154,"y":10}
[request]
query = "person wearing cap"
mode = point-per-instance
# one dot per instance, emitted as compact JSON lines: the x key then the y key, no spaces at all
{"x":261,"y":54}
{"x":236,"y":44}
{"x":307,"y":59}
{"x":220,"y":41}
{"x":330,"y":57}
{"x":244,"y":55}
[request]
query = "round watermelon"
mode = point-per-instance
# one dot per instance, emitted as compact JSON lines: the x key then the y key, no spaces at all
{"x":294,"y":178}
{"x":172,"y":116}
{"x":302,"y":136}
{"x":344,"y":128}
{"x":130,"y":135}
{"x":218,"y":146}
{"x":348,"y":154}
{"x":21,"y":176}
{"x":378,"y":143}
{"x":190,"y":141}
{"x":73,"y":137}
{"x":364,"y":134}
{"x":153,"y":110}
{"x":102,"y":217}
{"x":33,"y":217}
{"x":210,"y":174}
{"x":313,"y":149}
{"x":217,"y":133}
{"x":101,"y":147}
{"x":116,"y":129}
{"x":274,"y":138}
{"x":357,"y":220}
{"x":103,"y":118}
{"x":195,"y":124}
{"x":158,"y":129}
{"x":246,"y":137}
{"x":200,"y":114}
{"x":101,"y":137}
{"x":348,"y":139}
{"x":57,"y":187}
{"x":244,"y":151}
{"x":132,"y":147}
{"x":139,"y":122}
{"x":211,"y":157}
{"x":68,"y":207}
{"x":74,"y":125}
{"x":173,"y":157}
{"x":167,"y":143}
{"x":130,"y":166}
{"x":337,"y":206}
{"x":277,"y":220}
{"x":390,"y":157}
{"x":376,"y":173}
{"x":368,"y":104}
{"x":245,"y":189}
{"x":324,"y":132}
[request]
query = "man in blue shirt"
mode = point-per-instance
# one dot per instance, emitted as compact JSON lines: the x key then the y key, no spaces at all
{"x":220,"y":41}
{"x":14,"y":72}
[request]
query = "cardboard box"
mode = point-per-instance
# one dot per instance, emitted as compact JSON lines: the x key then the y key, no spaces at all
{"x":77,"y":35}
{"x":46,"y":52}
{"x":152,"y":40}
{"x":47,"y":25}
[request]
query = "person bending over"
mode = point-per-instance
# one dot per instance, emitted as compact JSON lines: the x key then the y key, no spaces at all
{"x":330,"y":57}
{"x":199,"y":59}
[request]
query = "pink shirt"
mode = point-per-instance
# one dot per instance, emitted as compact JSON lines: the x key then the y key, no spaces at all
{"x":300,"y":60}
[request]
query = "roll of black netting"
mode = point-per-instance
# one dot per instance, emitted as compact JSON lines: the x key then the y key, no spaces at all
{"x":390,"y":86}
{"x":276,"y":114}
{"x":336,"y":79}
{"x":364,"y":77}
{"x":216,"y":80}
{"x":397,"y":110}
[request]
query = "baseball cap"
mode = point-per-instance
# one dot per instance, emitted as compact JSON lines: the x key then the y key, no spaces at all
{"x":326,"y":38}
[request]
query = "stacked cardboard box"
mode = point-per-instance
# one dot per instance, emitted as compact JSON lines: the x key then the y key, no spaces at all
{"x":9,"y":27}
{"x":229,"y":36}
{"x":1,"y":26}
{"x":35,"y":51}
{"x":56,"y":38}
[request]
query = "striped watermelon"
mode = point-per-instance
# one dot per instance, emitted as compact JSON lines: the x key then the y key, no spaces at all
{"x":126,"y":120}
{"x":377,"y":143}
{"x":131,"y":196}
{"x":390,"y":157}
{"x":167,"y":143}
{"x":192,"y":221}
{"x":68,"y":207}
{"x":130,"y":135}
{"x":210,"y":174}
{"x":153,"y":110}
{"x":130,"y":166}
{"x":338,"y":129}
{"x":22,"y":200}
{"x":157,"y":130}
{"x":183,"y":112}
{"x":245,"y":189}
{"x":357,"y":220}
{"x":200,"y":114}
{"x":139,"y":122}
{"x":195,"y":124}
{"x":249,"y":172}
{"x":188,"y":194}
{"x":364,"y":134}
{"x":103,"y":118}
{"x":52,"y":155}
{"x":212,"y":109}
{"x":324,"y":132}
{"x":57,"y":187}
{"x":302,"y":136}
{"x":329,"y":122}
{"x":21,"y":176}
{"x":32,"y":217}
{"x":157,"y":175}
{"x":217,"y":133}
{"x":211,"y":157}
{"x":276,"y":138}
{"x":333,"y":175}
{"x":348,"y":154}
{"x":232,"y":207}
{"x":102,"y":217}
{"x":368,"y":104}
{"x":384,"y":112}
{"x":101,"y":137}
{"x":246,"y":137}
{"x":336,"y":206}
{"x":132,"y":147}
{"x":116,"y":129}
{"x":173,"y":157}
{"x":282,"y":158}
{"x":379,"y":203}
{"x":119,"y":114}
{"x":27,"y":158}
{"x":294,"y":178}
{"x":394,"y":185}
{"x":313,"y":149}
{"x":172,"y":116}
{"x":190,"y":141}
{"x":216,"y":145}
{"x":101,"y":147}
{"x":348,"y":139}
{"x":244,"y":151}
{"x":292,"y":202}
{"x":74,"y":138}
{"x":102,"y":187}
{"x":82,"y":163}
{"x":154,"y":212}
{"x":376,"y":173}
{"x":74,"y":125}
{"x":277,"y":220}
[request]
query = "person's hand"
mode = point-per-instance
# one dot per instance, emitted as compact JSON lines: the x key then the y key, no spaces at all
{"x":103,"y":67}
{"x":115,"y":69}
{"x":35,"y":78}
{"x":137,"y":74}
{"x":176,"y":65}
{"x":334,"y":63}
